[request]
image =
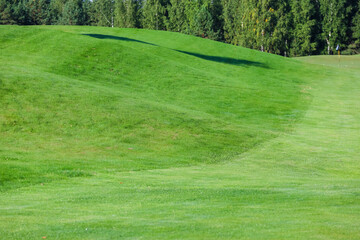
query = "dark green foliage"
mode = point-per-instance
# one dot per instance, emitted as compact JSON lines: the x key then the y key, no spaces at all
{"x":10,"y":12}
{"x":103,"y":14}
{"x":216,"y":8}
{"x":56,"y":10}
{"x":72,"y":13}
{"x":87,"y":12}
{"x":120,"y":14}
{"x":127,"y":13}
{"x":204,"y":23}
{"x":153,"y":15}
{"x":281,"y":33}
{"x":21,"y":13}
{"x":303,"y":21}
{"x":38,"y":11}
{"x":229,"y":16}
{"x":177,"y":20}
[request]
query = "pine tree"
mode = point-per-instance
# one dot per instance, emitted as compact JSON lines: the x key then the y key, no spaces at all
{"x":55,"y":11}
{"x":280,"y":37}
{"x":216,"y":9}
{"x":104,"y":12}
{"x":127,"y":13}
{"x":248,"y":21}
{"x":120,"y":14}
{"x":176,"y":20}
{"x":39,"y":12}
{"x":153,"y":15}
{"x":229,"y":15}
{"x":72,"y":13}
{"x":6,"y":12}
{"x":303,"y":22}
{"x":191,"y":10}
{"x":87,"y":9}
{"x":204,"y":23}
{"x":21,"y":13}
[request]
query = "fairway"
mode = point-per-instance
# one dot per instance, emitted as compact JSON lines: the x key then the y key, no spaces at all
{"x":140,"y":134}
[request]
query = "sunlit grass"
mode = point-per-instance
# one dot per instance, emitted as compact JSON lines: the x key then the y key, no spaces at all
{"x":124,"y":133}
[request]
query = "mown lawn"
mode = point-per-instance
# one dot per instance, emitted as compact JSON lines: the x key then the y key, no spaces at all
{"x":130,"y":134}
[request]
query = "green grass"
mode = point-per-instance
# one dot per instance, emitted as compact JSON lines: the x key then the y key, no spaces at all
{"x":129,"y":134}
{"x":348,"y":62}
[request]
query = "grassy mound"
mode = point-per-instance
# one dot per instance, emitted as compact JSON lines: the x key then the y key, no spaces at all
{"x":124,"y":133}
{"x":80,"y":99}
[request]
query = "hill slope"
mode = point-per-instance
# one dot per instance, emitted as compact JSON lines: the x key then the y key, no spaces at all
{"x":226,"y":142}
{"x":132,"y":99}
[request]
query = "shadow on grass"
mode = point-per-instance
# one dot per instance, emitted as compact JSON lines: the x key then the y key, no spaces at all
{"x":101,"y":36}
{"x":226,"y":60}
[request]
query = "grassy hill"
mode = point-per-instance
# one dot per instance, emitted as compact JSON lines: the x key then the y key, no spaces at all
{"x":124,"y":133}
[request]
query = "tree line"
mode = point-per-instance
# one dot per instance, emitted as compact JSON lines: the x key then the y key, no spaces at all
{"x":284,"y":27}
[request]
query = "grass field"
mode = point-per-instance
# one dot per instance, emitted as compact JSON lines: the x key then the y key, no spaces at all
{"x":137,"y":134}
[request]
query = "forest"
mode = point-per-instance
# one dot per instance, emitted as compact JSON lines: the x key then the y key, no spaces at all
{"x":285,"y":27}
